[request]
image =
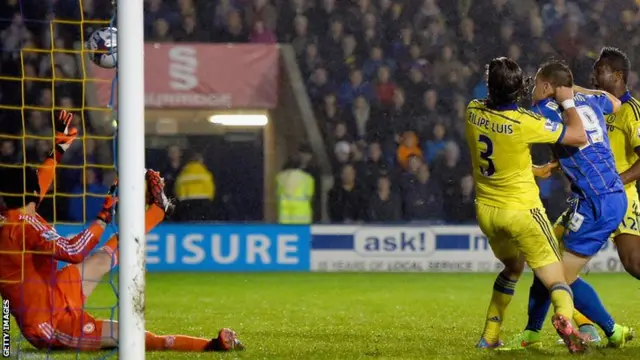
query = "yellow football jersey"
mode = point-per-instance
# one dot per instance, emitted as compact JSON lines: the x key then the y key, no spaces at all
{"x":623,"y":128}
{"x":500,"y":144}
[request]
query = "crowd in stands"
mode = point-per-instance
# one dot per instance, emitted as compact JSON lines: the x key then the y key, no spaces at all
{"x":389,"y":81}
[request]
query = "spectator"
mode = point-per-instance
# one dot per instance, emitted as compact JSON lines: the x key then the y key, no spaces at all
{"x":466,"y":206}
{"x":555,"y":12}
{"x":261,"y":34}
{"x":359,"y":118}
{"x":384,"y":206}
{"x":308,"y":164}
{"x":375,"y":166}
{"x":262,"y":11}
{"x":446,"y":65}
{"x":408,"y":148}
{"x":295,"y":190}
{"x":332,"y":44}
{"x":8,"y":153}
{"x":342,"y":155}
{"x":310,"y":60}
{"x":301,"y":35}
{"x":37,"y":153}
{"x":222,"y":11}
{"x":161,"y":31}
{"x":400,"y":47}
{"x":329,"y":114}
{"x":234,"y":32}
{"x":346,"y":199}
{"x":173,"y":168}
{"x":195,"y":189}
{"x":384,"y":87}
{"x":422,"y":196}
{"x":89,"y":197}
{"x":355,"y":87}
{"x":375,"y":62}
{"x":449,"y":173}
{"x":435,"y":146}
{"x":359,"y":164}
{"x":157,"y":10}
{"x":429,"y":113}
{"x":188,"y":31}
{"x":319,"y":86}
{"x":416,"y":86}
{"x":351,"y":59}
{"x":321,"y":16}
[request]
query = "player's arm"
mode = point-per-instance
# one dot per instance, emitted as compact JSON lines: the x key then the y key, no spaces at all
{"x":574,"y":133}
{"x":72,"y":250}
{"x":632,"y":132}
{"x":536,"y":129}
{"x":606,"y":101}
{"x":65,"y":134}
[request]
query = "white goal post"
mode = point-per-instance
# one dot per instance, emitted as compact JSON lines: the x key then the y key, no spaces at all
{"x":131,"y":186}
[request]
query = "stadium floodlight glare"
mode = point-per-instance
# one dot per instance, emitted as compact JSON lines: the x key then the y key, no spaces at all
{"x":239,"y":119}
{"x":131,"y":179}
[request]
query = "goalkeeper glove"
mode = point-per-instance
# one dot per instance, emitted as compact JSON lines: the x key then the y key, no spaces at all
{"x":155,"y":191}
{"x":65,"y":133}
{"x":108,"y":209}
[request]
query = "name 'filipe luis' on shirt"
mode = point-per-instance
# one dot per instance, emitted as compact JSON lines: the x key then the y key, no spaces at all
{"x":497,"y":128}
{"x":590,"y":168}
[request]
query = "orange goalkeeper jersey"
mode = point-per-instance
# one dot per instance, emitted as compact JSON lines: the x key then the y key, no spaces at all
{"x":29,"y":252}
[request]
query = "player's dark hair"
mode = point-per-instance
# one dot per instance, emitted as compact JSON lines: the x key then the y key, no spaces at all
{"x":617,"y":60}
{"x":19,"y":186}
{"x":505,"y":82}
{"x":556,"y":72}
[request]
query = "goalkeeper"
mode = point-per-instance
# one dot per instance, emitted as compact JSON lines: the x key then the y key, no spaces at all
{"x":48,"y":304}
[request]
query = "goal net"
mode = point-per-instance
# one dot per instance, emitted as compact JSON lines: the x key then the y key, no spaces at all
{"x":44,"y":68}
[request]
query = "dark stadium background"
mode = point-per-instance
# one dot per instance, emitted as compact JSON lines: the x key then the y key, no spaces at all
{"x":433,"y":53}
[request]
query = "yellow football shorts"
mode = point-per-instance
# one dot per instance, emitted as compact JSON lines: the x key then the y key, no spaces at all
{"x":514,"y":232}
{"x":629,"y":224}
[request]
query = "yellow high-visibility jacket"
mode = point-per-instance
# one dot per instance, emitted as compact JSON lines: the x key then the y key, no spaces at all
{"x":295,"y":192}
{"x":195,"y":182}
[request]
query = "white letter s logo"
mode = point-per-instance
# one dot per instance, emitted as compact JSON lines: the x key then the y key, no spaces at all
{"x":183,"y":63}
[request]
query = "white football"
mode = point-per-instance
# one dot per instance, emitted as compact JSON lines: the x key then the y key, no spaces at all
{"x":102,"y":46}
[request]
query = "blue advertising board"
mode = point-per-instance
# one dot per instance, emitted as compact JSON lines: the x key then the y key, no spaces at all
{"x":223,"y":247}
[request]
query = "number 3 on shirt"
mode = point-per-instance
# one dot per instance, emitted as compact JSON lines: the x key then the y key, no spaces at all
{"x":490,"y":169}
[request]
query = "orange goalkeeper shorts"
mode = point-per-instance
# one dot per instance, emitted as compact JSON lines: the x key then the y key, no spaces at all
{"x":71,"y":327}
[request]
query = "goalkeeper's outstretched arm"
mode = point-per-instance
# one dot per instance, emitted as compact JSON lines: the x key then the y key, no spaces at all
{"x":75,"y":249}
{"x":65,"y":134}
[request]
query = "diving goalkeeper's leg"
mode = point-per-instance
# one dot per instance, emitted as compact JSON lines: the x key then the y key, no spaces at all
{"x":227,"y":340}
{"x":102,"y":261}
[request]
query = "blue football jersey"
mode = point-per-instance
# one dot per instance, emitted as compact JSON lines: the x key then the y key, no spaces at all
{"x":591,"y":168}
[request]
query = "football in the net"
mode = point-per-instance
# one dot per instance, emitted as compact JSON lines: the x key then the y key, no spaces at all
{"x":102,"y":46}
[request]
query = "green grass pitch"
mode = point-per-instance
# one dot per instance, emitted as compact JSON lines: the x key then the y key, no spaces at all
{"x":351,"y":316}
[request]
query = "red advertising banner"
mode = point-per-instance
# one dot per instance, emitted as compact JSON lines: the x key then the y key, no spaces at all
{"x":204,"y":76}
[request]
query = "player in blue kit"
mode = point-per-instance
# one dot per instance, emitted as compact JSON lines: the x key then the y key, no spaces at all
{"x":598,"y":201}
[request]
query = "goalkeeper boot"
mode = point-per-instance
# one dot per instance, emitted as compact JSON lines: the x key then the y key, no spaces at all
{"x":227,"y":340}
{"x":621,"y":336}
{"x":572,"y":338}
{"x":587,"y":329}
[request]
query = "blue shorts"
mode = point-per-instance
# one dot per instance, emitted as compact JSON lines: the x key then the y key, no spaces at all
{"x":592,"y":221}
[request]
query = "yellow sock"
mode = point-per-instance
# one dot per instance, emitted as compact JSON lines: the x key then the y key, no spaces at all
{"x":562,"y":300}
{"x":503,"y":290}
{"x":580,"y":319}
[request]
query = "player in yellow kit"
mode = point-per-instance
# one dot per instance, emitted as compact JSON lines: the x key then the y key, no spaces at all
{"x":610,"y":74}
{"x":508,"y":206}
